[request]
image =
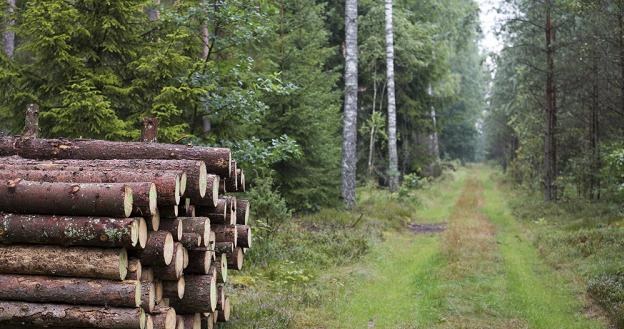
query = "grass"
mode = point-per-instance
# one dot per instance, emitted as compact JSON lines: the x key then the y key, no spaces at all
{"x":491,"y":268}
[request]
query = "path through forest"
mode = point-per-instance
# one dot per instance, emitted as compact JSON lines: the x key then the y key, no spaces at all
{"x":481,"y":272}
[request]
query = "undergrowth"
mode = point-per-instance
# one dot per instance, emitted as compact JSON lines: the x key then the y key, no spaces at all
{"x":584,"y":238}
{"x":291,"y":271}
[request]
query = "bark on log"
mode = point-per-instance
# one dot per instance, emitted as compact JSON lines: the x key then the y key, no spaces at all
{"x":231,"y":183}
{"x":200,"y":295}
{"x":221,"y":268}
{"x":243,"y":233}
{"x":224,"y":311}
{"x":174,"y":289}
{"x":167,"y":183}
{"x":191,"y":240}
{"x":148,"y":296}
{"x":158,"y":250}
{"x":147,"y":274}
{"x":69,"y":316}
{"x":207,"y":321}
{"x":224,"y":247}
{"x":217,"y":214}
{"x":222,"y":189}
{"x":199,"y":262}
{"x":79,"y":262}
{"x":164,"y":317}
{"x":135,"y":270}
{"x":173,"y":226}
{"x":220,"y":297}
{"x":217,"y":160}
{"x":235,"y":259}
{"x":71,"y":231}
{"x":241,"y":180}
{"x":199,"y":225}
{"x":212,"y":192}
{"x":226,"y":233}
{"x":174,"y":270}
{"x":44,"y":289}
{"x":21,"y":196}
{"x":191,"y":321}
{"x":169,"y":212}
{"x":242,"y":211}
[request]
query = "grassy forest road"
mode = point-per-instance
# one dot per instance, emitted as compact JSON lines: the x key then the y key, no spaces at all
{"x":481,"y":272}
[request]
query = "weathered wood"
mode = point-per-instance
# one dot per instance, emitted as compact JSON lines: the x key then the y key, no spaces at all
{"x":173,"y":226}
{"x":199,"y":262}
{"x":242,"y":211}
{"x":45,"y":289}
{"x":174,"y":289}
{"x":243,"y":233}
{"x":164,"y":317}
{"x":135,"y":270}
{"x":21,"y":196}
{"x":158,"y":250}
{"x":200,"y":295}
{"x":60,"y":261}
{"x":72,"y":231}
{"x":148,"y":296}
{"x":217,"y":160}
{"x":167,"y":183}
{"x":235,"y":259}
{"x":226,"y":233}
{"x":174,"y":270}
{"x":33,"y":315}
{"x":199,"y":225}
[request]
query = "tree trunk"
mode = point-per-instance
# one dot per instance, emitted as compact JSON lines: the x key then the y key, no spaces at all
{"x":174,"y":270}
{"x":199,"y":225}
{"x":243,"y":238}
{"x":393,"y":158}
{"x":164,"y":317}
{"x":174,"y":289}
{"x":149,"y":133}
{"x":200,"y":295}
{"x":550,"y":140}
{"x":349,"y":143}
{"x":31,"y":127}
{"x":242,"y":211}
{"x":206,"y":45}
{"x":158,"y":250}
{"x":135,"y":269}
{"x":78,"y":262}
{"x":148,"y":298}
{"x":199,"y":262}
{"x":67,"y":316}
{"x":71,"y":231}
{"x":191,"y":240}
{"x":231,"y":183}
{"x":235,"y":259}
{"x":241,"y":180}
{"x":594,"y":128}
{"x":371,"y":141}
{"x":44,"y":289}
{"x":9,"y":35}
{"x":226,"y":233}
{"x":72,"y":199}
{"x":153,"y":13}
{"x":224,"y":247}
{"x":217,"y":160}
{"x":221,"y":268}
{"x":173,"y":226}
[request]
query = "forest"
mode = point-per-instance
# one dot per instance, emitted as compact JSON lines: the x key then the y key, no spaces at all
{"x":383,"y":144}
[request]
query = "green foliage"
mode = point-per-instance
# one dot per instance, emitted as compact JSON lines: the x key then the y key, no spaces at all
{"x":608,"y":291}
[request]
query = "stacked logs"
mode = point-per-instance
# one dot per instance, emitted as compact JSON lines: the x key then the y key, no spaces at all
{"x":98,"y":234}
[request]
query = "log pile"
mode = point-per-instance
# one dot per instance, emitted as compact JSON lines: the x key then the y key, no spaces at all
{"x":98,"y":234}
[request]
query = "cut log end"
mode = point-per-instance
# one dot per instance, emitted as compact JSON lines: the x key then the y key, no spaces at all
{"x":203,"y":179}
{"x":183,"y":181}
{"x":179,"y":258}
{"x":128,"y":201}
{"x":123,"y":264}
{"x":177,"y":191}
{"x":138,"y":294}
{"x":181,"y":287}
{"x":142,"y":232}
{"x":186,"y":258}
{"x":134,"y":232}
{"x":153,"y":199}
{"x":168,"y":249}
{"x":142,"y":319}
{"x":149,"y":322}
{"x":224,"y":313}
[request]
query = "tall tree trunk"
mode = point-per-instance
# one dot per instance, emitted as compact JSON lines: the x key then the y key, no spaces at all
{"x":349,"y":144}
{"x":621,"y":23}
{"x":371,"y":142}
{"x":434,"y":143}
{"x":8,"y":35}
{"x":393,"y":158}
{"x":550,"y":143}
{"x":594,"y":126}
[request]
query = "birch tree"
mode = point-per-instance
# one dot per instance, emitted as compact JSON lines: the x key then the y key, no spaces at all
{"x":349,"y":143}
{"x":393,"y":159}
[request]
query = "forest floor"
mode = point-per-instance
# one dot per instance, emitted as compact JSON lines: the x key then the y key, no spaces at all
{"x":459,"y":259}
